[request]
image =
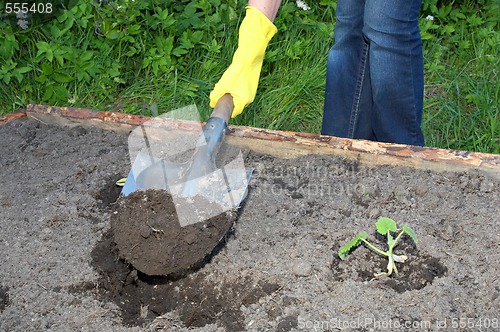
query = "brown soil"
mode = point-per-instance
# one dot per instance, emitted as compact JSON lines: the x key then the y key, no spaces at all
{"x":148,"y":234}
{"x":199,"y":299}
{"x":276,"y":270}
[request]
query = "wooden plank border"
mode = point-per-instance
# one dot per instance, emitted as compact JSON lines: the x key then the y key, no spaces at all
{"x":285,"y":144}
{"x":12,"y":116}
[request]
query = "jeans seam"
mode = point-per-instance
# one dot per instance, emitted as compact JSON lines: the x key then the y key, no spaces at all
{"x":413,"y":106}
{"x":357,"y":93}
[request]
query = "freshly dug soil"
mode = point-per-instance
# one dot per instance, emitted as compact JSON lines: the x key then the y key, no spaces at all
{"x":277,"y":269}
{"x":149,"y":236}
{"x":198,"y":298}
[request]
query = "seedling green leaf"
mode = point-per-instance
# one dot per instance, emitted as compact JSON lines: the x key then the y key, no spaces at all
{"x":384,"y":226}
{"x":344,"y":251}
{"x":411,"y":233}
{"x":121,"y":182}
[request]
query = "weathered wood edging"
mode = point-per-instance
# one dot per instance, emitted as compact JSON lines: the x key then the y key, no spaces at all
{"x":284,"y":144}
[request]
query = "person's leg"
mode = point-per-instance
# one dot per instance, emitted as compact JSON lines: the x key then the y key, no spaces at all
{"x":396,"y":69}
{"x":347,"y":109}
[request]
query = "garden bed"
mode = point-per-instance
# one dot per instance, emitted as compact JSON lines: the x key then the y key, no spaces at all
{"x":277,"y":269}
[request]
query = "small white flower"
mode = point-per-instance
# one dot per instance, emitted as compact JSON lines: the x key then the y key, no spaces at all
{"x":430,"y":18}
{"x":302,"y":5}
{"x":23,"y":24}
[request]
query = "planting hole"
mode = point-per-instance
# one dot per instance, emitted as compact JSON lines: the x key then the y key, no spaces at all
{"x":417,"y":272}
{"x":109,"y":192}
{"x":198,"y":299}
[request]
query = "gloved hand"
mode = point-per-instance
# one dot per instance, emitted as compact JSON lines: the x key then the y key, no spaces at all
{"x":242,"y":77}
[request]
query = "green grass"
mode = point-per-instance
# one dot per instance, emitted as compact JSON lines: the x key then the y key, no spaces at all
{"x":461,"y":53}
{"x":461,"y":108}
{"x":291,"y":93}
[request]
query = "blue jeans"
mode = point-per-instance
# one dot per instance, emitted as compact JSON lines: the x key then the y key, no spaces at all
{"x":375,"y":74}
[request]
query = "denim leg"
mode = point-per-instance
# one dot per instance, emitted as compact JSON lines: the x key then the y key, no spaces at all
{"x":374,"y":83}
{"x":347,"y":108}
{"x":396,"y":69}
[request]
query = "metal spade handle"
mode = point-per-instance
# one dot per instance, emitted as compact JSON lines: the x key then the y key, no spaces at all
{"x":203,"y":161}
{"x":215,"y":128}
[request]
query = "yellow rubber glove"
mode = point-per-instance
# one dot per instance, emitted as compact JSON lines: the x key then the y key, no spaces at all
{"x":242,"y":77}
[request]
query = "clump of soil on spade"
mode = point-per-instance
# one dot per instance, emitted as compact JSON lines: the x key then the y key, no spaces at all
{"x":149,"y":236}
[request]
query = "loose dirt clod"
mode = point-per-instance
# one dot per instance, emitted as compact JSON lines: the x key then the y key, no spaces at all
{"x":302,"y":269}
{"x":148,"y":234}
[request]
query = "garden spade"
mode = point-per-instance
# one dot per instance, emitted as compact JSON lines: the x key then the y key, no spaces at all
{"x":198,"y":176}
{"x":196,"y":201}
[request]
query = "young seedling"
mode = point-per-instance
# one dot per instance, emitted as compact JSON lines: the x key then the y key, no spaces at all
{"x":384,"y":226}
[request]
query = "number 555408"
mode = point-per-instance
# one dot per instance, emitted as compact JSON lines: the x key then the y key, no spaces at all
{"x":23,"y":7}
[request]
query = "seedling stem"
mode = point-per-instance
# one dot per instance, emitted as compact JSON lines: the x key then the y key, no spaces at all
{"x":384,"y":226}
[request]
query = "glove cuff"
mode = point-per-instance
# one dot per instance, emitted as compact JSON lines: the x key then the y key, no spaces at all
{"x":257,"y":24}
{"x":256,"y":30}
